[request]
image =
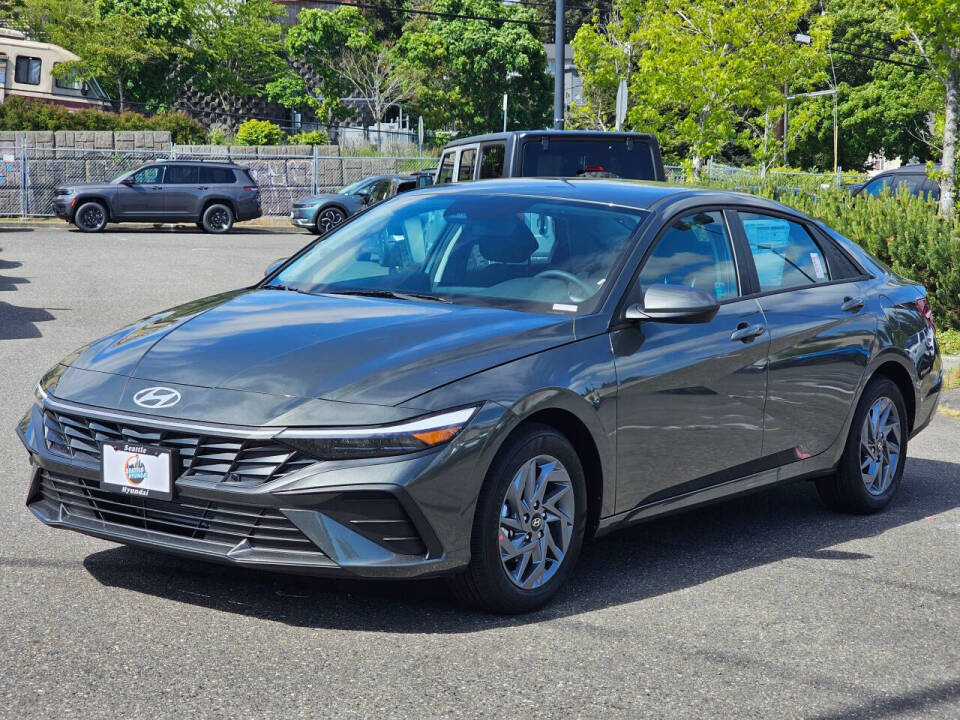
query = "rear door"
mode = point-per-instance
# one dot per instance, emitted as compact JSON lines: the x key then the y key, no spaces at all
{"x":143,"y":198}
{"x":181,"y":191}
{"x":821,"y":328}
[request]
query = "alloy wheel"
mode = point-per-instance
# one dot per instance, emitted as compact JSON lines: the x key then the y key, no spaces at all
{"x":880,"y":440}
{"x":91,"y":216}
{"x":329,"y":219}
{"x":536,"y":522}
{"x":219,"y":219}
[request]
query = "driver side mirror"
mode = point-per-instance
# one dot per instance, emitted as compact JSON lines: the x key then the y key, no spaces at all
{"x":127,"y":180}
{"x":273,"y":266}
{"x":364,"y":196}
{"x":674,"y":304}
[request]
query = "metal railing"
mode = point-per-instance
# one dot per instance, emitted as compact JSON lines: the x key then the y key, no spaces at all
{"x":28,"y":176}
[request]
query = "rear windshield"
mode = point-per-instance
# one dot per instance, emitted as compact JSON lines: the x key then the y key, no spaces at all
{"x":215,"y":175}
{"x":590,"y":158}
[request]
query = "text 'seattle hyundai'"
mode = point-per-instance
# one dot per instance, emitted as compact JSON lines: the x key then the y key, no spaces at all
{"x":471,"y":380}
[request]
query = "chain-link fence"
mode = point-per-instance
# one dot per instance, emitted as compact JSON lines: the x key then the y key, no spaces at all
{"x":28,"y":176}
{"x":747,"y":178}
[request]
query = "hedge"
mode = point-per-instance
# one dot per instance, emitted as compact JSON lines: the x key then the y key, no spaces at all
{"x":17,"y":113}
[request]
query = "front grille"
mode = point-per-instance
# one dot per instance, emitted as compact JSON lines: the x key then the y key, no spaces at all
{"x":222,"y":523}
{"x":226,"y":458}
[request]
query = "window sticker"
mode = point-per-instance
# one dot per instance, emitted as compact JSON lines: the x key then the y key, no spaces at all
{"x":769,"y":239}
{"x":817,"y":266}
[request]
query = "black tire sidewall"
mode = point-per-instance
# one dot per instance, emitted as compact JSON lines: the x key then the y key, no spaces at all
{"x":77,"y":215}
{"x":319,"y":227}
{"x":501,"y":593}
{"x":206,"y":214}
{"x":853,"y":493}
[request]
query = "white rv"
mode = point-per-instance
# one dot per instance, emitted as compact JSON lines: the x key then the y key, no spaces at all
{"x":25,"y":67}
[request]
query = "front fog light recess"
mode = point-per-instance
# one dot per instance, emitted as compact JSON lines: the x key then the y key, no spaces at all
{"x":379,"y":441}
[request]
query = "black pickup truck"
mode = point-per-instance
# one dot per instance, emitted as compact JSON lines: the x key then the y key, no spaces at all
{"x":551,"y":153}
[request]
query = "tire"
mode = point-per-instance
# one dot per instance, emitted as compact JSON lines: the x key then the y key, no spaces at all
{"x":328,"y":218}
{"x":91,"y":217}
{"x":498,"y":579}
{"x":868,"y":475}
{"x":217,"y":218}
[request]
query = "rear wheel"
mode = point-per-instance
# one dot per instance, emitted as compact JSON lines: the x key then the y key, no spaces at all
{"x":871,"y":467}
{"x":217,"y":218}
{"x":91,"y":217}
{"x":328,"y":218}
{"x":529,"y":525}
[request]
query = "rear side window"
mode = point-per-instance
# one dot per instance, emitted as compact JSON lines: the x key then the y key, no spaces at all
{"x":446,"y":168}
{"x":27,"y":70}
{"x":591,"y":158}
{"x":467,"y":159}
{"x":695,"y":252}
{"x":784,"y":253}
{"x":406,"y":186}
{"x":216,"y":175}
{"x":491,"y":160}
{"x":180,"y":175}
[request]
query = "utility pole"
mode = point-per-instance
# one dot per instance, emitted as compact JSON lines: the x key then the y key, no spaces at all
{"x":559,"y":62}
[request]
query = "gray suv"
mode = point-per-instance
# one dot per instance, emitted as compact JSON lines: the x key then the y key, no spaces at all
{"x":213,"y":195}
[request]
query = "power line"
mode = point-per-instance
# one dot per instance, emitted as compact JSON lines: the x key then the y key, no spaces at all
{"x":876,"y":58}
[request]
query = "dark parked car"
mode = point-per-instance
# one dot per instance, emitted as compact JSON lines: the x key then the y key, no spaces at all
{"x":213,"y":195}
{"x":471,"y":380}
{"x":912,"y":177}
{"x":551,"y":153}
{"x":322,"y":213}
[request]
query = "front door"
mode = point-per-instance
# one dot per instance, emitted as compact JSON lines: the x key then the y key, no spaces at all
{"x":818,"y":313}
{"x":143,"y":197}
{"x":690,"y":400}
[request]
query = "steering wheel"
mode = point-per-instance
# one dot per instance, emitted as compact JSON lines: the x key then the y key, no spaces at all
{"x":569,"y":277}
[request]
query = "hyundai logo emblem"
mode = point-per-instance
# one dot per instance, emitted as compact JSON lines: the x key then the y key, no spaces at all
{"x":157,"y":397}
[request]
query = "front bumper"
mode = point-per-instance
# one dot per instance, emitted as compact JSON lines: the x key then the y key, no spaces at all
{"x":304,"y":217}
{"x":400,"y":518}
{"x":63,"y":207}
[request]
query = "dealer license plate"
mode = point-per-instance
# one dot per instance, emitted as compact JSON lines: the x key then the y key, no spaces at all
{"x":137,"y":470}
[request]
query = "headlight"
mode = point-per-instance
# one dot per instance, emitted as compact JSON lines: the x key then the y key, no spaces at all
{"x":379,"y":441}
{"x":48,"y":382}
{"x":39,"y":393}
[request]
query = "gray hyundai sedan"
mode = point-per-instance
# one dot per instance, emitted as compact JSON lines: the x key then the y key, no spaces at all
{"x":470,"y":381}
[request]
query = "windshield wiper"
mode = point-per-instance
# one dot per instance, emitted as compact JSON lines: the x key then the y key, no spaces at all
{"x":392,"y":294}
{"x":278,"y":286}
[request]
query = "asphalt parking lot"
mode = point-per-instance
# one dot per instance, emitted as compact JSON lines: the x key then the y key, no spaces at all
{"x":767,"y":606}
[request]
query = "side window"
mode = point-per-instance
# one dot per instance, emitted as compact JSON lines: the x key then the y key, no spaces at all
{"x":216,"y":176}
{"x":913,"y":183}
{"x":784,"y":253}
{"x":381,"y":190}
{"x":491,"y":160}
{"x":70,"y":82}
{"x":27,"y":70}
{"x":446,"y":168}
{"x":181,"y":175}
{"x":544,"y":230}
{"x":695,"y":251}
{"x":149,"y":175}
{"x":876,"y":186}
{"x":406,"y":186}
{"x":467,"y":160}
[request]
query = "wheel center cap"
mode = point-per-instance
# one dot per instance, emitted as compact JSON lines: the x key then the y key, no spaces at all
{"x":536,"y":522}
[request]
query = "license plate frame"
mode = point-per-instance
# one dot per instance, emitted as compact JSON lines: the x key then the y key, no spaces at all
{"x":139,"y":471}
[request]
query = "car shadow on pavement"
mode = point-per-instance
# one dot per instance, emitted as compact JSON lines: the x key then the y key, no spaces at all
{"x":18,"y":322}
{"x":191,"y":229}
{"x":645,"y":561}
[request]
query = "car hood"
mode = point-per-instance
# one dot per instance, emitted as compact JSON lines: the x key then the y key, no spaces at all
{"x":317,"y":199}
{"x":87,"y":186}
{"x":264,"y":356}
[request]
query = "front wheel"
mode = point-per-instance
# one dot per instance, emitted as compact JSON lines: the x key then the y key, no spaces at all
{"x":218,"y":218}
{"x":90,"y":217}
{"x":871,"y":467}
{"x":328,"y":218}
{"x":529,"y":524}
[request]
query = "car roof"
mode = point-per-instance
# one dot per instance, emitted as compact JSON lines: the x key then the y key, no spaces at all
{"x":912,"y":169}
{"x":202,"y":163}
{"x":637,"y":194}
{"x":389,"y":175}
{"x":567,"y":134}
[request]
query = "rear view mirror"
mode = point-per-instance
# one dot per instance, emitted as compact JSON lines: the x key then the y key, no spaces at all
{"x":674,"y":303}
{"x":273,"y":266}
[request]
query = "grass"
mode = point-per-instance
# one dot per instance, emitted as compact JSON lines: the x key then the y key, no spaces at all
{"x":949,"y":342}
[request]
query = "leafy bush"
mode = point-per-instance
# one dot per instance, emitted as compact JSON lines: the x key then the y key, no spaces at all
{"x":317,"y":137}
{"x":217,"y":136}
{"x":18,"y":113}
{"x":259,"y":132}
{"x":949,"y":342}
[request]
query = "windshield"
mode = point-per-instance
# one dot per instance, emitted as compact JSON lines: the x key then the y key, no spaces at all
{"x":524,"y":253}
{"x":353,"y":187}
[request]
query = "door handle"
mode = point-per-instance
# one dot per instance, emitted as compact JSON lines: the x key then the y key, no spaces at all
{"x":746,"y":333}
{"x":852,"y":304}
{"x":202,"y":187}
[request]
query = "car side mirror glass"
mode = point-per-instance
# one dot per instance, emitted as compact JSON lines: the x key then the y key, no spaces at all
{"x":364,"y":196}
{"x":127,"y":181}
{"x":675,"y":304}
{"x":272,"y":267}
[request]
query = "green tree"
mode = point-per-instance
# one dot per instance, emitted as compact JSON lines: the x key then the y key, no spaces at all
{"x":467,"y":66}
{"x":934,"y":28}
{"x":236,"y":49}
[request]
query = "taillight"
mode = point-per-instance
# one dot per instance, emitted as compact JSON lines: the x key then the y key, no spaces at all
{"x":924,"y":307}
